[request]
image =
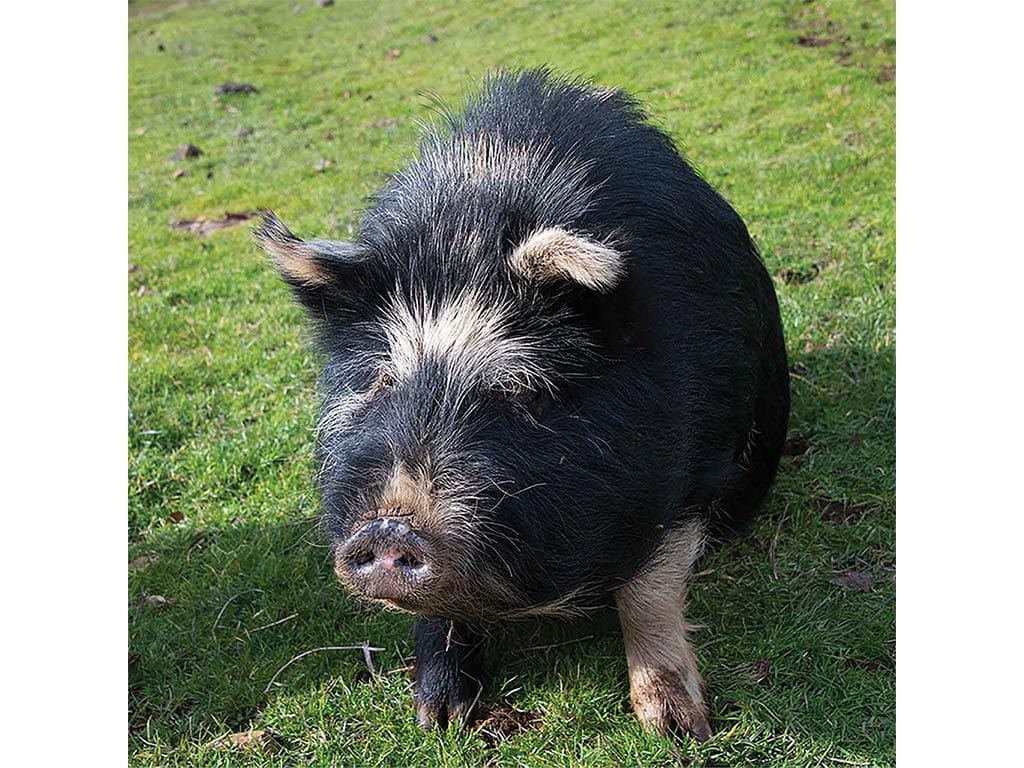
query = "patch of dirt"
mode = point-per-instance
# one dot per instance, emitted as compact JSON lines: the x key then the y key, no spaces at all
{"x":204,"y":227}
{"x":840,"y":512}
{"x":189,"y":151}
{"x":228,"y":89}
{"x":818,"y":31}
{"x":814,"y":29}
{"x":141,"y":562}
{"x":853,"y":139}
{"x":796,"y":445}
{"x":503,"y":722}
{"x":258,"y":742}
{"x":762,"y":670}
{"x":814,"y":41}
{"x":854,"y":581}
{"x":843,"y":57}
{"x":801,"y":275}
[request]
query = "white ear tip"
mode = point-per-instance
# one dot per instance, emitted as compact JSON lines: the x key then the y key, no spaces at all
{"x":555,"y":253}
{"x":293,"y":257}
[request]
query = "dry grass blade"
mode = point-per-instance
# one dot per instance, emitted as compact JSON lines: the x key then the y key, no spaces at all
{"x":364,"y":647}
{"x":224,"y":607}
{"x":775,"y":542}
{"x":271,"y":624}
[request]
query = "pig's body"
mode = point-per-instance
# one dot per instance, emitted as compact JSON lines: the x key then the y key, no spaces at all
{"x":555,"y":371}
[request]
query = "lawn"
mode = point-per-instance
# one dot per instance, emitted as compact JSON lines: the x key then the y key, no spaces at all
{"x":788,"y":108}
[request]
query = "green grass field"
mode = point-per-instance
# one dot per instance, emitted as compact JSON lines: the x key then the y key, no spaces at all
{"x":788,"y":108}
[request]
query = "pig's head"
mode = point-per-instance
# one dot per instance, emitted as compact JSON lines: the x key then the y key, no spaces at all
{"x":478,"y":445}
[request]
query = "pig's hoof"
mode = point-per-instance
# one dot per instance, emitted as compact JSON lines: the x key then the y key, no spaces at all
{"x":445,"y":703}
{"x":665,"y":707}
{"x":447,"y":674}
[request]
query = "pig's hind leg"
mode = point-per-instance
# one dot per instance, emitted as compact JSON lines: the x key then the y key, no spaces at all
{"x":448,"y":672}
{"x":665,"y":686}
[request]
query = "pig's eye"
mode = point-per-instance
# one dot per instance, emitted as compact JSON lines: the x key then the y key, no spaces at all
{"x":383,"y":381}
{"x":536,"y":401}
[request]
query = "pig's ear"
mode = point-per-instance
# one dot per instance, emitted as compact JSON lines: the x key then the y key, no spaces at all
{"x":555,"y":254}
{"x":321,"y":272}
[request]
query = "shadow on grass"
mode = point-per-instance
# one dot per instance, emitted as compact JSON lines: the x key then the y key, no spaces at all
{"x":787,"y":646}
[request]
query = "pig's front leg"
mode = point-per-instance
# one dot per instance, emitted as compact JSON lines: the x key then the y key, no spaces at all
{"x":448,"y":672}
{"x":665,"y":686}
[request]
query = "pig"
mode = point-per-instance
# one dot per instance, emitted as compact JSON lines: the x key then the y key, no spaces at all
{"x":554,"y":377}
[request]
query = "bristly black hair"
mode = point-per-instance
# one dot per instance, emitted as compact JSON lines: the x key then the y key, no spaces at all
{"x":668,"y":391}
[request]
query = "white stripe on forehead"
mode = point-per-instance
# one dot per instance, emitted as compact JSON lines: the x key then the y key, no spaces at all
{"x":474,"y":338}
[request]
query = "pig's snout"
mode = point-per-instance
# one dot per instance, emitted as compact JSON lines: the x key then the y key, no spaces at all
{"x":387,"y":560}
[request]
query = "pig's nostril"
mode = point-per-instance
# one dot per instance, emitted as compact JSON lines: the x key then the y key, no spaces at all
{"x":407,"y":560}
{"x":368,"y":559}
{"x":362,"y":558}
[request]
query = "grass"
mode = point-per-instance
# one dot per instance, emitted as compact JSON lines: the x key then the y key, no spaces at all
{"x":788,"y":108}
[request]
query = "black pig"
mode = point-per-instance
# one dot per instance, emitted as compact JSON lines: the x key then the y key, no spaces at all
{"x":554,"y":373}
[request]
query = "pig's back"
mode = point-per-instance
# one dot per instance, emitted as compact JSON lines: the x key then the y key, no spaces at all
{"x":713,"y":331}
